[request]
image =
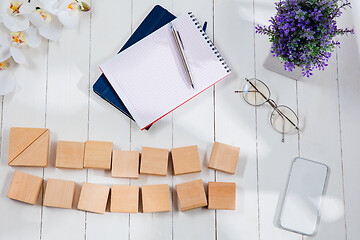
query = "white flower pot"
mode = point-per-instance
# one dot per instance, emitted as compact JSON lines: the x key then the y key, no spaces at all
{"x":274,"y":64}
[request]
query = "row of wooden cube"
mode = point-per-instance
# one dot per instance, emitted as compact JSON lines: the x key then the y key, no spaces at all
{"x":154,"y":161}
{"x":123,"y":198}
{"x":30,"y":147}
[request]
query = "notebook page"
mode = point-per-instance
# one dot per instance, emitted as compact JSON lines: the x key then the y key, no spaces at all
{"x":149,"y":76}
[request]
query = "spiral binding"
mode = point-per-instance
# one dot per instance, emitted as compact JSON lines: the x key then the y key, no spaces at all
{"x":208,"y":41}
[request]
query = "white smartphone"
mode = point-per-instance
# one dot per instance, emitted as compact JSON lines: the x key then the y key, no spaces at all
{"x":305,"y":190}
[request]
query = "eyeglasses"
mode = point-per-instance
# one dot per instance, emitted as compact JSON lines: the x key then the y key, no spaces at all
{"x":282,"y":119}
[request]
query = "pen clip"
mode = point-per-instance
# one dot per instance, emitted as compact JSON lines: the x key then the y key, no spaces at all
{"x":177,"y":32}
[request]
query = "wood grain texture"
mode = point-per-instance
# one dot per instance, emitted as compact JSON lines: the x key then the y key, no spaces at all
{"x":124,"y":198}
{"x":24,"y":108}
{"x":191,"y":195}
{"x":125,"y":164}
{"x":25,"y":187}
{"x":20,"y":139}
{"x":187,"y":130}
{"x":154,"y":161}
{"x":59,"y":193}
{"x":70,"y":154}
{"x":222,"y":195}
{"x":36,"y":154}
{"x":185,"y":160}
{"x":98,"y":155}
{"x":67,"y":117}
{"x":224,"y":157}
{"x":93,"y":197}
{"x":155,"y":198}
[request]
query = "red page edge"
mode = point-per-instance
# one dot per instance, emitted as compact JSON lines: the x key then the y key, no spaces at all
{"x":180,"y":104}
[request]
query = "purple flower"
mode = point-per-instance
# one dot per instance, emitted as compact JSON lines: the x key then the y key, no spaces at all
{"x":302,"y":32}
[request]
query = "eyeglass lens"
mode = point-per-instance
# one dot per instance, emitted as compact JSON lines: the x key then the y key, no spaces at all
{"x":255,"y":92}
{"x":280,"y":119}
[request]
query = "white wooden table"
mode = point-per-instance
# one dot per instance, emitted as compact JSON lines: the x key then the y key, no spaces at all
{"x":56,"y":92}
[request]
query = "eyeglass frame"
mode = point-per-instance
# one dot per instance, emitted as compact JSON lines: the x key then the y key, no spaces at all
{"x":272,"y":104}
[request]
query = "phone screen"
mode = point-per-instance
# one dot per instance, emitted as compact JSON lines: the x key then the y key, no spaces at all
{"x":303,"y":196}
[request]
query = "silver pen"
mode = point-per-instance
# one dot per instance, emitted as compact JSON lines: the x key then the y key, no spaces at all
{"x":180,"y":48}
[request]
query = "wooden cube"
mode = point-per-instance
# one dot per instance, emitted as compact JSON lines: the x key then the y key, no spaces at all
{"x":125,"y":164}
{"x":29,"y":147}
{"x":154,"y":161}
{"x":186,"y":160}
{"x":124,"y":198}
{"x":59,"y":193}
{"x":191,"y":195}
{"x":222,"y":195}
{"x":156,"y":198}
{"x":93,"y":197}
{"x":25,"y":187}
{"x":70,"y":155}
{"x":224,"y":157}
{"x":98,"y":155}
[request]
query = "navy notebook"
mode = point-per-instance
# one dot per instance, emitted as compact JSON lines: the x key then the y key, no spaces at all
{"x":157,"y":18}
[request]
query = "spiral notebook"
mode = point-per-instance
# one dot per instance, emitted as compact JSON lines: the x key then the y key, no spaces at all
{"x":157,"y":18}
{"x":149,"y":76}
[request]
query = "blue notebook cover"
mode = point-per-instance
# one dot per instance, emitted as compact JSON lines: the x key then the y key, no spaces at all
{"x":157,"y":18}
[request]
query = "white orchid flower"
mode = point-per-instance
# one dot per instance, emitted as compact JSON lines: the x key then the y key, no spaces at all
{"x":45,"y":19}
{"x":11,"y":48}
{"x":26,"y":24}
{"x":7,"y":79}
{"x":51,"y":6}
{"x":12,"y":15}
{"x":67,"y":11}
{"x":69,"y":14}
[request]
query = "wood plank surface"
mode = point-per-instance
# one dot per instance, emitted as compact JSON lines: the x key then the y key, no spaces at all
{"x":320,"y":141}
{"x":274,"y":157}
{"x":349,"y":85}
{"x":26,"y":107}
{"x":106,"y":123}
{"x":150,"y":225}
{"x":67,"y":119}
{"x":231,"y":125}
{"x":187,"y":130}
{"x":55,"y":92}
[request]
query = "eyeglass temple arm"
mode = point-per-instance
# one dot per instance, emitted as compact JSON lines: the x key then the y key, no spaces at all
{"x":272,"y":104}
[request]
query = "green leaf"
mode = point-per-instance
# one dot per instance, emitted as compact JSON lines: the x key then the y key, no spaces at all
{"x":84,"y":7}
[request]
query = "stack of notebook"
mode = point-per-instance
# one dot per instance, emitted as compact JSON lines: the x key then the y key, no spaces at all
{"x":146,"y":80}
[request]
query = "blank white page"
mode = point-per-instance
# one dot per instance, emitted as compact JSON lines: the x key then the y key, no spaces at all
{"x":149,"y":76}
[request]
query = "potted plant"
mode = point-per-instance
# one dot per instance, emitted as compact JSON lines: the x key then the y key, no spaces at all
{"x":302,"y":33}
